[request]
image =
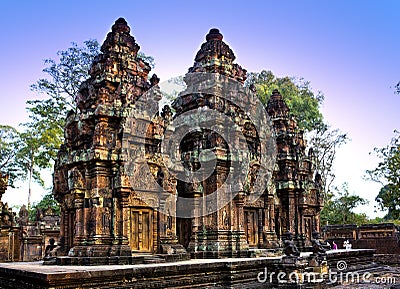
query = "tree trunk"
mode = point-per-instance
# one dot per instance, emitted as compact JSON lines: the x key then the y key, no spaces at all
{"x":30,"y":181}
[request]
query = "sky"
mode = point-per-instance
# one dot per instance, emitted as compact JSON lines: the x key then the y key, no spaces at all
{"x":349,"y":50}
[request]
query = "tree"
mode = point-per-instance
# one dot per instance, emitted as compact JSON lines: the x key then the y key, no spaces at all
{"x":339,"y":208}
{"x":46,"y":202}
{"x":325,"y":141}
{"x":387,"y":173}
{"x":9,"y":146}
{"x":31,"y":158}
{"x":397,"y":88}
{"x":47,"y":116}
{"x":301,"y":100}
{"x":66,"y":75}
{"x":22,"y":155}
{"x":304,"y":105}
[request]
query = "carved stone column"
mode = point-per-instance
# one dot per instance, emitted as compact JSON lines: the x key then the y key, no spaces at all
{"x":79,"y":219}
{"x":241,"y":245}
{"x":122,"y":222}
{"x":196,"y":240}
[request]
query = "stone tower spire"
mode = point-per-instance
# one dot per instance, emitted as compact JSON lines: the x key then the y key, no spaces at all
{"x":276,"y":105}
{"x":117,"y":75}
{"x":88,"y":179}
{"x":119,"y":40}
{"x":215,"y":56}
{"x":293,"y":175}
{"x":217,"y":226}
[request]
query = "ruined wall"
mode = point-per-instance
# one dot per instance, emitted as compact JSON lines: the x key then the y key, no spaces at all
{"x":384,"y":238}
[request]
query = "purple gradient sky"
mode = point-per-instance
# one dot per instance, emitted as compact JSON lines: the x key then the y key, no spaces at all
{"x":347,"y":49}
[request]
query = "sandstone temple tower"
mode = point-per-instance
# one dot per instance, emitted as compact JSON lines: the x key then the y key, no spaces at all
{"x":231,"y":228}
{"x":103,"y":214}
{"x":296,"y":184}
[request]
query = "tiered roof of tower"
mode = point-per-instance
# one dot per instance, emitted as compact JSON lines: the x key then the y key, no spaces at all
{"x":295,"y":167}
{"x":277,"y":107}
{"x":215,"y":56}
{"x":117,"y":75}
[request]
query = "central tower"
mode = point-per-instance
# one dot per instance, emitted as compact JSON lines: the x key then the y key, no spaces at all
{"x":218,"y":227}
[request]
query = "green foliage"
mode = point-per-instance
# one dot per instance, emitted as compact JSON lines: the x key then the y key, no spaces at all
{"x":44,"y":132}
{"x":378,"y":220}
{"x":387,"y":173}
{"x":66,"y":75}
{"x":31,"y":157}
{"x":301,"y":100}
{"x":325,"y":141}
{"x":304,"y":105}
{"x":46,"y":202}
{"x":147,"y":58}
{"x":339,"y":208}
{"x":10,"y":143}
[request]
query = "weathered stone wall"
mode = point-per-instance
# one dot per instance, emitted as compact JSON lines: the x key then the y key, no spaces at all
{"x":9,"y":231}
{"x":9,"y":245}
{"x":382,"y":237}
{"x":387,"y":259}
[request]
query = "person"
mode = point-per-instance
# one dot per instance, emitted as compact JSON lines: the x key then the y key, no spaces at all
{"x":334,"y":245}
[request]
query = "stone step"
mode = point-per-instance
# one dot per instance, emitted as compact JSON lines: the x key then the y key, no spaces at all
{"x":153,"y":260}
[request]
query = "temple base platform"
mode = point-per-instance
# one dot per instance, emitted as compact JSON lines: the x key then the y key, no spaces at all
{"x":256,"y":272}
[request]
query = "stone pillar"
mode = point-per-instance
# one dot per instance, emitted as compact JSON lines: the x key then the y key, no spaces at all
{"x":241,"y":245}
{"x":122,"y":222}
{"x":292,"y":213}
{"x":79,"y":220}
{"x":196,"y":240}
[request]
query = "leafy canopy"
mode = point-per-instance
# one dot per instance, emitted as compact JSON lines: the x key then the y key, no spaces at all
{"x":387,"y":173}
{"x":46,"y":202}
{"x":339,"y":208}
{"x":299,"y":97}
{"x":10,"y":143}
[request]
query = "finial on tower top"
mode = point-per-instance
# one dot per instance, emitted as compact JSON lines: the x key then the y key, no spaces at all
{"x":121,"y":26}
{"x":214,"y":34}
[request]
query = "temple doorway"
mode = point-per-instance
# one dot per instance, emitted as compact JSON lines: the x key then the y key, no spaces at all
{"x":184,"y":231}
{"x":251,"y":227}
{"x":141,"y":237}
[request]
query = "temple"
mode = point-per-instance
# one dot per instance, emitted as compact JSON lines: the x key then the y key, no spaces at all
{"x":102,"y":212}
